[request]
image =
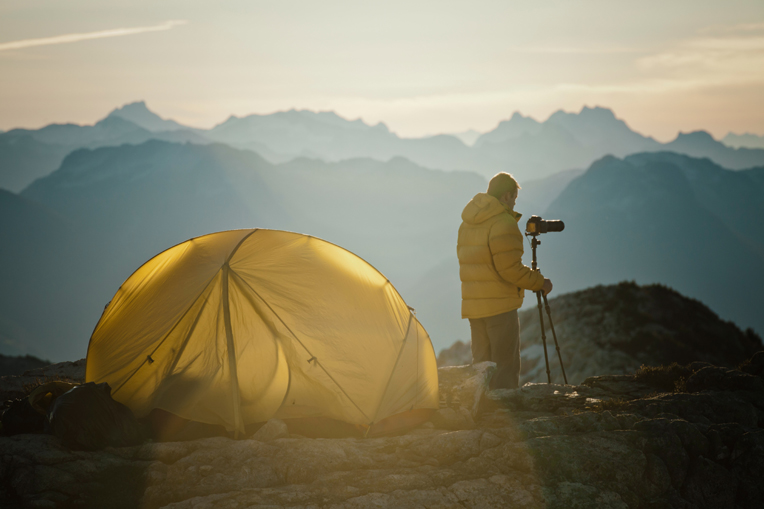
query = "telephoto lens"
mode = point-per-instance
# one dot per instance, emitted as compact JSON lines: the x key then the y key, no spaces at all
{"x":553,"y":225}
{"x":536,"y":225}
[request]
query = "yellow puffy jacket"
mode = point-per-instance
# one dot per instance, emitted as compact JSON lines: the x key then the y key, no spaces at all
{"x":490,"y":251}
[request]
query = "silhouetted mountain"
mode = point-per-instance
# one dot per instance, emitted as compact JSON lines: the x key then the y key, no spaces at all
{"x":44,"y":278}
{"x":140,"y":115}
{"x":527,"y":148}
{"x":23,"y":159}
{"x":599,"y":129}
{"x":746,"y":140}
{"x":664,"y":218}
{"x":327,"y":136}
{"x":651,"y":217}
{"x":468,"y":137}
{"x":515,"y":127}
{"x":26,"y":155}
{"x":132,"y":202}
{"x":702,"y":144}
{"x":536,"y":195}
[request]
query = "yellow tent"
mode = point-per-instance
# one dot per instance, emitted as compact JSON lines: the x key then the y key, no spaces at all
{"x":236,"y":327}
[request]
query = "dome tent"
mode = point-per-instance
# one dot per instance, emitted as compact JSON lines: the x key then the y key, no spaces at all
{"x":236,"y":327}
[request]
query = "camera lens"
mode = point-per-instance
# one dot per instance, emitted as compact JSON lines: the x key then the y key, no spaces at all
{"x":554,"y":225}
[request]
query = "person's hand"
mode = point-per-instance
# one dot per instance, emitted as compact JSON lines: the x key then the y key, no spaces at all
{"x":547,"y":288}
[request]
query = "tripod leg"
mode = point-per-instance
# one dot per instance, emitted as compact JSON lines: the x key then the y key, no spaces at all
{"x":554,"y":335}
{"x":543,"y":338}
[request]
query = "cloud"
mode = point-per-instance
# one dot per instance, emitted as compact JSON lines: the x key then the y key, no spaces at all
{"x":727,"y":29}
{"x":737,"y":57}
{"x":67,"y":38}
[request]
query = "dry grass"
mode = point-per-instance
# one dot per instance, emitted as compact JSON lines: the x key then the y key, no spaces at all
{"x":669,"y":378}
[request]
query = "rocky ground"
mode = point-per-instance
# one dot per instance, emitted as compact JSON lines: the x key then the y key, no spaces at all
{"x":17,"y":386}
{"x":611,"y":442}
{"x":11,"y":365}
{"x":616,"y":329}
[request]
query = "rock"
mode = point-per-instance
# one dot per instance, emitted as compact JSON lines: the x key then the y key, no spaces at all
{"x":755,"y":365}
{"x":540,"y":446}
{"x":748,"y":467}
{"x":712,"y":378}
{"x":13,"y":387}
{"x":64,"y":370}
{"x":615,"y":458}
{"x":576,"y":423}
{"x":453,"y":419}
{"x":619,"y":385}
{"x":464,"y":386}
{"x":657,"y":473}
{"x":569,"y":495}
{"x":541,"y":397}
{"x":703,"y":408}
{"x":613,"y":330}
{"x":710,"y":485}
{"x":271,"y":430}
{"x":458,"y":354}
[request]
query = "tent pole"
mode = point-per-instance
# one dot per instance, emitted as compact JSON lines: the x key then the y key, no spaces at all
{"x":230,"y":346}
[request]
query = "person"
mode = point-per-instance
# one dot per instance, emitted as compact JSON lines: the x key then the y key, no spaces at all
{"x":494,"y":279}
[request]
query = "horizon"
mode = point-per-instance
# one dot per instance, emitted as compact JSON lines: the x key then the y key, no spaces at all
{"x":349,"y":119}
{"x":422,"y":70}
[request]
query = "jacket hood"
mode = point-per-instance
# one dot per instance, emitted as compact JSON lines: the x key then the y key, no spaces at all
{"x":483,"y":207}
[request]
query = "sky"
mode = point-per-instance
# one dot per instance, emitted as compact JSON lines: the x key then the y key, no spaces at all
{"x":421,"y":67}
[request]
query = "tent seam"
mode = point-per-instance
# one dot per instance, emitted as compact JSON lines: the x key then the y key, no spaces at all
{"x":188,"y":336}
{"x":230,"y":342}
{"x":392,"y":371}
{"x":168,"y":333}
{"x":318,"y":362}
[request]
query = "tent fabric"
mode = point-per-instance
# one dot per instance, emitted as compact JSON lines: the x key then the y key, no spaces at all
{"x":240,"y":326}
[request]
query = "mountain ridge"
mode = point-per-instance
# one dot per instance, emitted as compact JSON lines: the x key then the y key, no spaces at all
{"x":527,"y":148}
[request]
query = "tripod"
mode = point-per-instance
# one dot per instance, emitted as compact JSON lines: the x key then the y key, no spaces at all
{"x":534,"y":243}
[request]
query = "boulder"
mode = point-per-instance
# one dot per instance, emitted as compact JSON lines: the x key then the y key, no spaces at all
{"x":271,"y":430}
{"x":464,"y":386}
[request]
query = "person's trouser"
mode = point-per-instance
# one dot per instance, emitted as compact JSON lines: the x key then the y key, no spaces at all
{"x":497,"y":339}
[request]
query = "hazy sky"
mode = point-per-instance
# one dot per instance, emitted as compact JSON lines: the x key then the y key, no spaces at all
{"x":420,"y":67}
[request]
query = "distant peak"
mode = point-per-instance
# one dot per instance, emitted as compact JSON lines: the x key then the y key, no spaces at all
{"x":133,"y":107}
{"x":598,"y":111}
{"x":135,"y":104}
{"x":559,"y":113}
{"x":695,"y":136}
{"x":138,"y":113}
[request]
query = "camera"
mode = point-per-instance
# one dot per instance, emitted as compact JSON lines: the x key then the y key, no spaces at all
{"x":536,"y":225}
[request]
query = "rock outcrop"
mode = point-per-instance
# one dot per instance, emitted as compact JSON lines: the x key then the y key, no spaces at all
{"x":611,"y":442}
{"x":615,"y":329}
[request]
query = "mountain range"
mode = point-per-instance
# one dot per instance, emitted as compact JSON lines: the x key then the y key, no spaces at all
{"x":521,"y":145}
{"x":76,"y":234}
{"x":743,"y":140}
{"x":139,"y":184}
